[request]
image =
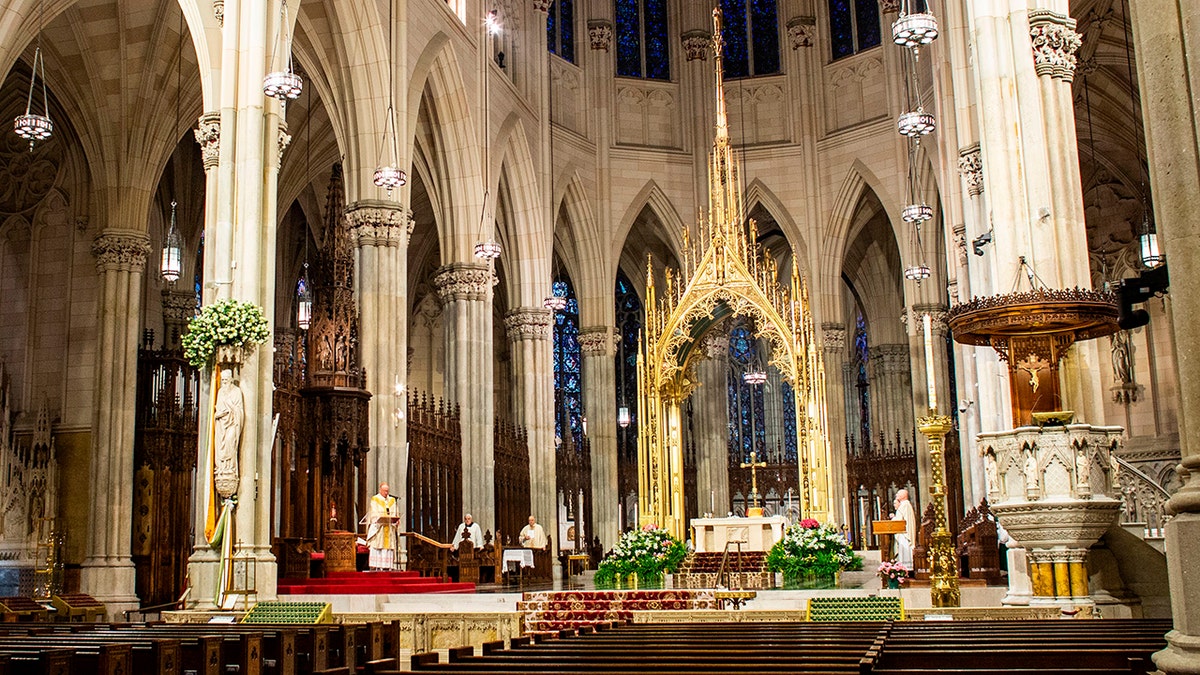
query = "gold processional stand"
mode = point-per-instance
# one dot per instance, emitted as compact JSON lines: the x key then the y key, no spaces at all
{"x":725,"y":272}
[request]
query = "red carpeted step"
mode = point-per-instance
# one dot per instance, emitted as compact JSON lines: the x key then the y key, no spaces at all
{"x":371,"y":583}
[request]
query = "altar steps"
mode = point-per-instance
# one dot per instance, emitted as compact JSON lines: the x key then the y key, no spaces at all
{"x":372,"y":583}
{"x":548,"y":612}
{"x":748,"y":571}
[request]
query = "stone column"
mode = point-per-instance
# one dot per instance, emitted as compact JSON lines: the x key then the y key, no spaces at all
{"x":833,"y":340}
{"x":380,"y":231}
{"x":599,"y":400}
{"x":890,"y":385}
{"x":1167,"y":37}
{"x":1024,"y":63}
{"x":108,"y":573}
{"x":465,"y":290}
{"x":711,"y":401}
{"x":529,"y":331}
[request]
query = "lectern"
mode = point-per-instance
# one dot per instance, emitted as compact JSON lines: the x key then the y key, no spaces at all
{"x":885,"y":530}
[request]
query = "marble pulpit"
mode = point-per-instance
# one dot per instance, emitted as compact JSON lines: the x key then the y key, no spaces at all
{"x":756,"y":534}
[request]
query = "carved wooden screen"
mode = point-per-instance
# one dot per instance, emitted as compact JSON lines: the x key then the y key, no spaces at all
{"x":512,"y":481}
{"x":574,"y":466}
{"x":288,"y":460}
{"x":874,"y":474}
{"x":434,"y":467}
{"x":164,"y":454}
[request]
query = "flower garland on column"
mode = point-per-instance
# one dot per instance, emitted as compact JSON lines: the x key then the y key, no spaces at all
{"x":219,"y":339}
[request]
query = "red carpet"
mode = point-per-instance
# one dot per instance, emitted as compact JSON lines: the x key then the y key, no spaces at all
{"x":550,"y":611}
{"x":372,"y":583}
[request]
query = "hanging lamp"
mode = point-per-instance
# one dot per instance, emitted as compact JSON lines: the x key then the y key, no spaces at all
{"x":284,"y":85}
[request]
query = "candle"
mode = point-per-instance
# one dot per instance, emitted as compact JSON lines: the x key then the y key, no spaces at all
{"x":845,"y":511}
{"x":928,"y":321}
{"x":712,"y":501}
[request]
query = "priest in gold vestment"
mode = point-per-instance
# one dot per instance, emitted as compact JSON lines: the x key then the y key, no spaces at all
{"x":381,"y":531}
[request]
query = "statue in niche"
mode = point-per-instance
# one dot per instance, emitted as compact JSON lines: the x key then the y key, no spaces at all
{"x":229,"y":419}
{"x":991,"y":472}
{"x":1031,"y":471}
{"x":1114,"y":471}
{"x":1083,"y":467}
{"x":1122,"y":363}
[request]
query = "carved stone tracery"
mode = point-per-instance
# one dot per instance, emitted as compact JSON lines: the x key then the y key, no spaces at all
{"x":600,"y":33}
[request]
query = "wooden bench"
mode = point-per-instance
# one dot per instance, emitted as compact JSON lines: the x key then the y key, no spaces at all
{"x":78,"y":606}
{"x":22,"y":609}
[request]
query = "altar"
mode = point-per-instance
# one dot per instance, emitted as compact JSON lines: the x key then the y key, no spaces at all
{"x":756,"y":534}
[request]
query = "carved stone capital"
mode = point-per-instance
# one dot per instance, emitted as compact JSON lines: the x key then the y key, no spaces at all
{"x":1055,"y":42}
{"x":464,"y":281}
{"x":178,"y":306}
{"x":890,"y":358}
{"x":833,"y":336}
{"x":121,"y":251}
{"x":285,"y":139}
{"x":597,"y":341}
{"x":542,"y":5}
{"x":960,"y":244}
{"x":889,"y":6}
{"x":379,"y":223}
{"x":970,"y":166}
{"x":802,"y":31}
{"x":219,"y":11}
{"x":528,"y":323}
{"x":715,"y":345}
{"x":600,"y":32}
{"x":208,"y":135}
{"x":938,"y":312}
{"x":697,"y":44}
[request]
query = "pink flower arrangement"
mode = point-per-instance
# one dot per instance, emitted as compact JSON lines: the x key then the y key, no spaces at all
{"x":809,"y":524}
{"x":890,"y":571}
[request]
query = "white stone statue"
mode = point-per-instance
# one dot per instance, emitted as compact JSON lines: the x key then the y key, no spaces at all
{"x":1114,"y":469}
{"x":991,"y":472}
{"x":1083,"y":467}
{"x":1031,"y":472}
{"x":227,"y":437}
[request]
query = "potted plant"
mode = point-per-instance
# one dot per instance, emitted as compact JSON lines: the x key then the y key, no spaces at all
{"x":893,"y":574}
{"x":225,"y":332}
{"x":648,"y":553}
{"x":810,"y":555}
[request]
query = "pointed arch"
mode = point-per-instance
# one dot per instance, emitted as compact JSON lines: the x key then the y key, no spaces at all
{"x":524,"y":236}
{"x":652,"y":196}
{"x":437,"y":86}
{"x":757,"y":192}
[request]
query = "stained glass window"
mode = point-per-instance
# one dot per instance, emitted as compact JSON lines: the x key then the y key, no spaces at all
{"x":629,"y":328}
{"x":560,"y":29}
{"x":747,"y":418}
{"x":853,"y":26}
{"x":568,"y":390}
{"x":643,"y":46}
{"x":198,"y":279}
{"x":751,"y":33}
{"x":790,"y":453}
{"x":863,"y":384}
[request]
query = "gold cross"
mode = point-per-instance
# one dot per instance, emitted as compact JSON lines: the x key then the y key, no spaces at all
{"x":753,"y":466}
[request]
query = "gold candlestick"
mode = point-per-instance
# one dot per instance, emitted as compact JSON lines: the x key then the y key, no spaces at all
{"x":943,"y":563}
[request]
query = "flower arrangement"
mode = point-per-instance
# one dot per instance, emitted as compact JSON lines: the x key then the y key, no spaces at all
{"x":649,"y":552}
{"x":226,"y":323}
{"x":893,"y":573}
{"x":810,"y":550}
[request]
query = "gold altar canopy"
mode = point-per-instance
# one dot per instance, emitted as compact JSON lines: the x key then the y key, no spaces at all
{"x":724,"y":272}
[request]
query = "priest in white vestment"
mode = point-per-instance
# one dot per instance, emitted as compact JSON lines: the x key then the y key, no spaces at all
{"x":906,"y":540}
{"x":468,"y":529}
{"x":533,"y":535}
{"x":381,"y":531}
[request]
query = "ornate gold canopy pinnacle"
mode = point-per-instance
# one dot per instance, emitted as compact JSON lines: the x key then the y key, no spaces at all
{"x":724,"y":272}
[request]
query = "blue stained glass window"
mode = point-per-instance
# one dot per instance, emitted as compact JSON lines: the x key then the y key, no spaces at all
{"x":566,"y":19}
{"x":790,"y":453}
{"x":560,"y":29}
{"x":764,"y":29}
{"x":658,"y":50}
{"x":741,"y":345}
{"x":629,"y":330}
{"x":841,"y":28}
{"x":567,"y":389}
{"x":643,"y":42}
{"x":629,"y":39}
{"x":853,"y":26}
{"x":733,"y":31}
{"x":863,"y":383}
{"x":866,"y":15}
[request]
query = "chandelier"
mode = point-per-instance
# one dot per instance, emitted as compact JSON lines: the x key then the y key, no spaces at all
{"x":487,"y":249}
{"x":913,"y":31}
{"x":32,"y":126}
{"x":916,"y":123}
{"x":172,"y":251}
{"x":917,"y":213}
{"x":284,"y":85}
{"x":304,"y":301}
{"x":390,"y":176}
{"x":754,"y":377}
{"x":917,"y":273}
{"x":557,"y":300}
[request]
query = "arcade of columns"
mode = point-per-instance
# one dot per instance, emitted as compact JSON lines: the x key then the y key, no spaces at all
{"x":1024,"y":186}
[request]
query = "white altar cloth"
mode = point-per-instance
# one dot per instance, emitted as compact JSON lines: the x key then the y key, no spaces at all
{"x":756,"y":534}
